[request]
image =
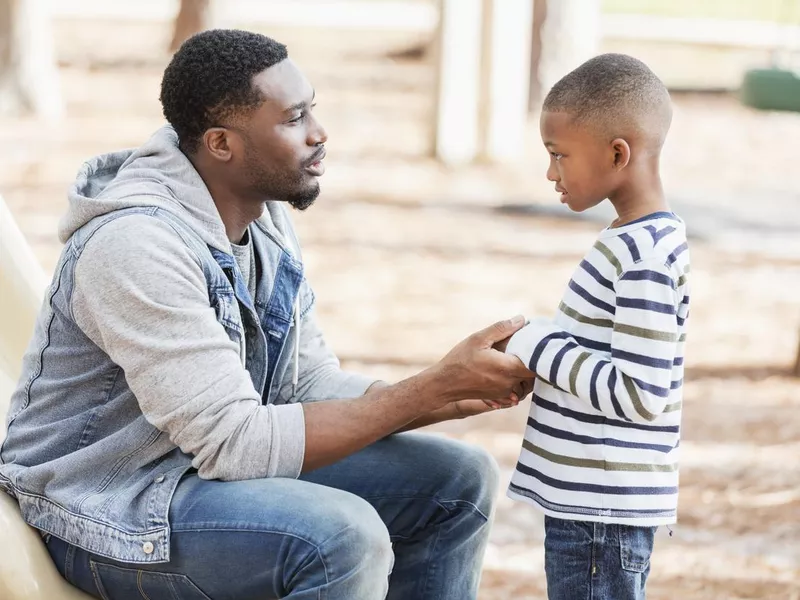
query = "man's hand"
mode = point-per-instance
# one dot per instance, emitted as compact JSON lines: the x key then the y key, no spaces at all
{"x":501,"y":345}
{"x":476,"y":369}
{"x":473,"y":369}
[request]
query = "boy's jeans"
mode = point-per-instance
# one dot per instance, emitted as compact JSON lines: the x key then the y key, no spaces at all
{"x":596,"y":561}
{"x":413,"y":505}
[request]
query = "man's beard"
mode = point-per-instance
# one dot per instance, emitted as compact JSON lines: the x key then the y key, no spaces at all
{"x":278,"y":186}
{"x":305,"y":198}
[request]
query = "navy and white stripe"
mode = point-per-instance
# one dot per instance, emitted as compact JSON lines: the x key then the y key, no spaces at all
{"x":603,"y":436}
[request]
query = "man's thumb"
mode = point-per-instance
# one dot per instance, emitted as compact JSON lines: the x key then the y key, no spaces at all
{"x":501,"y":330}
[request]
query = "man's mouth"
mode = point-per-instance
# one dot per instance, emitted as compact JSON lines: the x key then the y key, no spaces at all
{"x":563,"y":193}
{"x":316,"y":167}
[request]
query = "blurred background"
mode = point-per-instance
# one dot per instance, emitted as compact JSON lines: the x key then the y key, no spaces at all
{"x":436,"y":218}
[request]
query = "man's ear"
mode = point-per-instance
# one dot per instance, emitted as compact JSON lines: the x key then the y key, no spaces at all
{"x":218,"y":143}
{"x":621,"y":152}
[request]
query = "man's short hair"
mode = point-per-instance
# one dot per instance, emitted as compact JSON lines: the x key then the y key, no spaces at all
{"x":210,"y":79}
{"x":616,"y":94}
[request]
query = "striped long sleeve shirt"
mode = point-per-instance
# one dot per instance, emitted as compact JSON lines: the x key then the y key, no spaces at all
{"x":602,"y":437}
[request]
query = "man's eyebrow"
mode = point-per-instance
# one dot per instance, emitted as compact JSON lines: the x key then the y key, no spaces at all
{"x":301,"y":105}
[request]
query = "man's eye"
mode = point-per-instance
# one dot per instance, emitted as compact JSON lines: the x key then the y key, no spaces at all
{"x":298,"y":118}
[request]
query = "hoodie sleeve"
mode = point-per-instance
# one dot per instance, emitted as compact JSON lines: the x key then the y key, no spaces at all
{"x":320,"y":375}
{"x":141,"y":296}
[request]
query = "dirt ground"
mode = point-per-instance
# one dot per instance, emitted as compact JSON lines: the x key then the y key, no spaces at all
{"x":408,"y":257}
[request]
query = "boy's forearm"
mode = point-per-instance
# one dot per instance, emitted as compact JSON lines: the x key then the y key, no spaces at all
{"x":561,"y":361}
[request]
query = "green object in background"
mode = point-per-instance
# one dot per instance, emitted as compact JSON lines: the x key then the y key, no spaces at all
{"x":771,"y":89}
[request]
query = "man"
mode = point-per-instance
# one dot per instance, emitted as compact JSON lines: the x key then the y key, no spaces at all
{"x":181,"y":428}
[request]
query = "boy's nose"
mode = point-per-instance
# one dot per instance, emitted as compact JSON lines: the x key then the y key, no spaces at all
{"x":552,"y":173}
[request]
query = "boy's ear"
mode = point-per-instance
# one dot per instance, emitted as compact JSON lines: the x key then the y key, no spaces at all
{"x":622,"y":153}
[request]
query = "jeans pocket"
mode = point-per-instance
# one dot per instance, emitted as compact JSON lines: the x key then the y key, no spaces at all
{"x":119,"y":583}
{"x":635,"y":547}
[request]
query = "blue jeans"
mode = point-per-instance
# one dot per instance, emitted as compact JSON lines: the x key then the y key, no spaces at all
{"x":406,"y":518}
{"x":596,"y":561}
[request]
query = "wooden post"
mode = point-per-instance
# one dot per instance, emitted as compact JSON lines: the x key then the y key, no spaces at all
{"x":797,"y":362}
{"x":29,"y":80}
{"x":509,"y":53}
{"x":570,"y":36}
{"x":484,"y":53}
{"x":193,"y":17}
{"x":535,"y":96}
{"x":456,"y":132}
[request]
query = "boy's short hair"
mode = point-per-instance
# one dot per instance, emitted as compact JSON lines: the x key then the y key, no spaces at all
{"x":616,"y":94}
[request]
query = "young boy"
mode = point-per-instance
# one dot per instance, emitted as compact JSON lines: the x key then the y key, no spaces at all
{"x":600,"y":452}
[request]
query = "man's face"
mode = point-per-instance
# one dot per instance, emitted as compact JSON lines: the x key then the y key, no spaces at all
{"x":282,"y":140}
{"x":581,"y":161}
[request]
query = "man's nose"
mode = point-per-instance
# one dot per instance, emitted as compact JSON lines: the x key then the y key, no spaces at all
{"x":316,"y":133}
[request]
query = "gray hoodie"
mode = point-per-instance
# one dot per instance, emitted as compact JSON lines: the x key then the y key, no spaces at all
{"x":136,"y":371}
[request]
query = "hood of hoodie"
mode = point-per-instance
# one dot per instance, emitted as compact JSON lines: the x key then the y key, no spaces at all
{"x":158,"y":174}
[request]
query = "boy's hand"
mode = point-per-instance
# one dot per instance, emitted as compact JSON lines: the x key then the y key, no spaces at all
{"x":521,"y":391}
{"x":471,"y":408}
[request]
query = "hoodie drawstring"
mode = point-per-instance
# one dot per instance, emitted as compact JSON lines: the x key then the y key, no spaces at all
{"x":295,"y":366}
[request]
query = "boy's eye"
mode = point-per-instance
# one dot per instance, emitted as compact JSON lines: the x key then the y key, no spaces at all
{"x":556,"y":155}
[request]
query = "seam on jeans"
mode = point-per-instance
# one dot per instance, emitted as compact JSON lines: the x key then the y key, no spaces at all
{"x":139,"y":584}
{"x":315,"y":547}
{"x":438,"y":501}
{"x":467,"y":503}
{"x":430,"y":562}
{"x":175,"y":593}
{"x":69,"y":563}
{"x":98,"y":583}
{"x":595,"y":554}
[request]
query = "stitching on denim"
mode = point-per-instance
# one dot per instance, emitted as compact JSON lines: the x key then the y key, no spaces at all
{"x":431,"y":563}
{"x":69,"y":563}
{"x":440,"y":502}
{"x":98,"y":583}
{"x":139,"y":584}
{"x":19,"y":493}
{"x":38,"y":372}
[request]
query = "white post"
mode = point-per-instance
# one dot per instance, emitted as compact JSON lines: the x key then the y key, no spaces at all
{"x":458,"y":100}
{"x":22,"y":282}
{"x":509,"y":48}
{"x":570,"y":36}
{"x":29,"y":78}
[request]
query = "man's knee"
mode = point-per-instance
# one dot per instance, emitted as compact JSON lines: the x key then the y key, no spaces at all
{"x":479,"y":477}
{"x":359,"y":544}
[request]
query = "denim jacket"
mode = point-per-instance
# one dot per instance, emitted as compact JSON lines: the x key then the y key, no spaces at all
{"x":150,"y":358}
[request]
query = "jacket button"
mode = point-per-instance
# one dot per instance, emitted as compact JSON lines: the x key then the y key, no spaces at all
{"x":147,"y":547}
{"x":159,"y":479}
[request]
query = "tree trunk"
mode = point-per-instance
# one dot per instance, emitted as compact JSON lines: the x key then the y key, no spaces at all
{"x":535,"y":95}
{"x":570,"y":35}
{"x":797,"y":362}
{"x":193,"y":17}
{"x":29,"y":80}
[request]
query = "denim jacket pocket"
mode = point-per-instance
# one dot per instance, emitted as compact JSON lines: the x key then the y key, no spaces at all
{"x":118,"y":583}
{"x":226,"y":308}
{"x":635,"y":547}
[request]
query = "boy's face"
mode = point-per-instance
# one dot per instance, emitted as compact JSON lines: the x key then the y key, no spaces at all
{"x":581,"y":161}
